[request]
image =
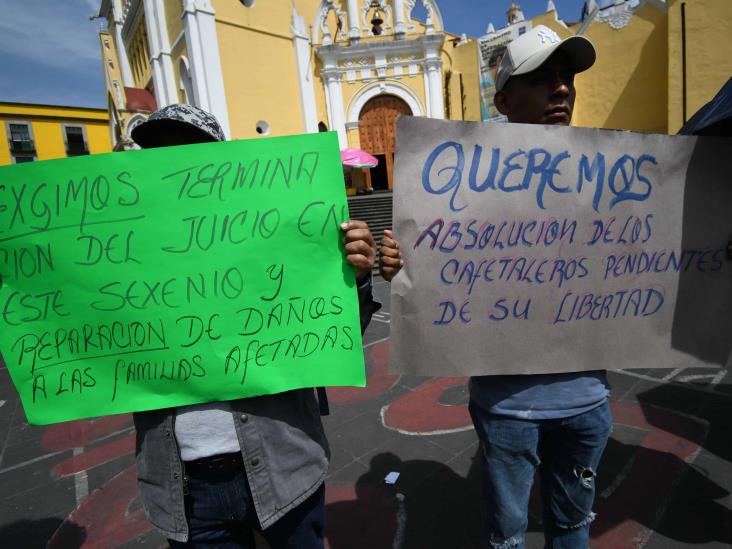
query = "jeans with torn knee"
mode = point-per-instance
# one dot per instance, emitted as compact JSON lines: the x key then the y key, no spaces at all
{"x":565,"y":452}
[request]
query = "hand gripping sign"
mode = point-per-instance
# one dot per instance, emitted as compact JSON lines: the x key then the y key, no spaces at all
{"x":539,"y":249}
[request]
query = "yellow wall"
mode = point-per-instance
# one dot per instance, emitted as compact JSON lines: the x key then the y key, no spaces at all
{"x":173,"y":18}
{"x":708,"y":55}
{"x":4,"y":146}
{"x":256,"y":88}
{"x":321,"y":106}
{"x":259,"y":67}
{"x":97,"y":135}
{"x":465,"y":59}
{"x":47,"y":132}
{"x":637,"y":80}
{"x":626,"y":88}
{"x":139,"y":55}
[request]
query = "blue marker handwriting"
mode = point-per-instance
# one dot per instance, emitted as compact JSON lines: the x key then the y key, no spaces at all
{"x":449,"y":236}
{"x":557,"y":271}
{"x":660,"y":261}
{"x":622,"y":303}
{"x":527,"y":270}
{"x":502,"y":309}
{"x":626,"y":230}
{"x":615,"y":180}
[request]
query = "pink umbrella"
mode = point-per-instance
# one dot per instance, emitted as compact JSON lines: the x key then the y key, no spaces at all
{"x":356,"y":158}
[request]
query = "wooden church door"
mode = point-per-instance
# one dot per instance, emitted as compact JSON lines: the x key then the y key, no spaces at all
{"x":377,"y":133}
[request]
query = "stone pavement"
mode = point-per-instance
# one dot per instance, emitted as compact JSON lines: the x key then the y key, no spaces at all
{"x":664,"y":482}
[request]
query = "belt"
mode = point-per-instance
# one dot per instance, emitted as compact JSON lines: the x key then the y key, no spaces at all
{"x":222,"y":464}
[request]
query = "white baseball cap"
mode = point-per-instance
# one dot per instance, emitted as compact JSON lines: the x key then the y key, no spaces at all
{"x":529,"y":51}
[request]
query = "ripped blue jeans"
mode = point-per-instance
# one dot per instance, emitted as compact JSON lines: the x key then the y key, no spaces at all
{"x":566,"y":452}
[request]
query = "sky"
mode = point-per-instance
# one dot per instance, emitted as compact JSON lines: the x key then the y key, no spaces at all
{"x":49,"y":49}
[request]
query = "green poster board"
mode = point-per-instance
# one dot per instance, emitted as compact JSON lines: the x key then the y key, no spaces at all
{"x":163,"y":277}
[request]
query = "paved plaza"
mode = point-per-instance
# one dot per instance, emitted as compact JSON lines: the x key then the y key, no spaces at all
{"x":664,"y":482}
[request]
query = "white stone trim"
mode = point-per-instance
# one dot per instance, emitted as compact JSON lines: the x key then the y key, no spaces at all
{"x":124,"y":62}
{"x":160,"y":60}
{"x":334,"y":103}
{"x":320,"y":26}
{"x":132,"y":123}
{"x":434,"y":17}
{"x":354,"y":31}
{"x":301,"y":43}
{"x":433,"y":74}
{"x":178,"y":39}
{"x":411,"y":51}
{"x":400,"y":23}
{"x":203,"y":50}
{"x":618,"y":15}
{"x":369,"y":91}
{"x":370,"y":60}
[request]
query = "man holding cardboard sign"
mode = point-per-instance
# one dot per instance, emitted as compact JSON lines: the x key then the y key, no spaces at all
{"x":210,"y":474}
{"x":556,"y":423}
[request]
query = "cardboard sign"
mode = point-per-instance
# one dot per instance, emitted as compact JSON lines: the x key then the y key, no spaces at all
{"x":157,"y":278}
{"x":540,"y":249}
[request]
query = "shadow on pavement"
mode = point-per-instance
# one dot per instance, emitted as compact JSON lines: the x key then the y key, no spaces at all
{"x":429,"y":506}
{"x":693,"y":513}
{"x":32,"y":534}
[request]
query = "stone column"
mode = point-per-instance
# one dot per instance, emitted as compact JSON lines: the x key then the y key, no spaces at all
{"x":354,"y":28}
{"x":400,"y":25}
{"x":203,"y":55}
{"x":334,"y":100}
{"x":162,"y":66}
{"x":124,"y":62}
{"x":433,"y":69}
{"x":301,"y":42}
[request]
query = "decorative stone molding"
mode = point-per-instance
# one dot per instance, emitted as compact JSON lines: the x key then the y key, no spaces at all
{"x":124,"y":62}
{"x":370,"y":91}
{"x":321,"y":23}
{"x":301,"y":43}
{"x":434,"y":17}
{"x":161,"y":63}
{"x":199,"y":25}
{"x":370,"y":62}
{"x":132,"y":123}
{"x":618,"y":15}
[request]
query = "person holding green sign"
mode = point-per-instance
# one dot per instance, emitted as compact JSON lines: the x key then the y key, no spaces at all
{"x":556,"y":424}
{"x":211,"y":474}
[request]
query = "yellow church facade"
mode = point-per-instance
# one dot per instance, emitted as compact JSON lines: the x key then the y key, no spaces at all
{"x":270,"y":68}
{"x":279,"y":68}
{"x":31,"y":132}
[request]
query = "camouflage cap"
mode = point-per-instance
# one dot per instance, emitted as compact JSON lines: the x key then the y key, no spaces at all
{"x":192,"y":124}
